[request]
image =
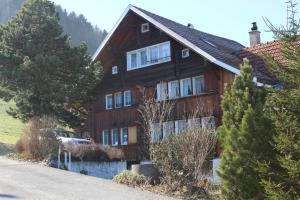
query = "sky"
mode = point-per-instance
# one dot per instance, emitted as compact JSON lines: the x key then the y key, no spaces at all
{"x":226,"y":18}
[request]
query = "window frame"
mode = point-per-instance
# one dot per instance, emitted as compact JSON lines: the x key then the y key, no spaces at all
{"x":115,"y":97}
{"x":124,"y":98}
{"x":122,"y":142}
{"x":182,"y":85}
{"x":106,"y":102}
{"x":145,"y":25}
{"x":194,"y":84}
{"x":112,"y":137}
{"x":114,"y":70}
{"x":149,"y":62}
{"x":159,"y":90}
{"x":170,"y":89}
{"x":165,"y":128}
{"x":104,"y":132}
{"x":185,"y":53}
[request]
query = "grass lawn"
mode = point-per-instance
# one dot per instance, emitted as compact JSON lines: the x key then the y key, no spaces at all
{"x":10,"y":128}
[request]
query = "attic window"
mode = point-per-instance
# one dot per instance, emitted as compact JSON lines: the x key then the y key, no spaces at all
{"x":114,"y":70}
{"x":185,"y":53}
{"x":145,"y":27}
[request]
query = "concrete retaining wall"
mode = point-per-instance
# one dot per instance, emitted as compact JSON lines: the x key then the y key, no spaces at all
{"x":105,"y":170}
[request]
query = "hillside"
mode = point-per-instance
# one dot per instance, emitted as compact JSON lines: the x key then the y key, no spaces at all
{"x":74,"y":25}
{"x":10,"y":128}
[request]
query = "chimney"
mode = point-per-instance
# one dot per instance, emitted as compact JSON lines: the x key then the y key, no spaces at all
{"x":254,"y":35}
{"x":190,"y":25}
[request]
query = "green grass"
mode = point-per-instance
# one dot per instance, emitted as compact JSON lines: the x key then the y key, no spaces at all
{"x":10,"y":128}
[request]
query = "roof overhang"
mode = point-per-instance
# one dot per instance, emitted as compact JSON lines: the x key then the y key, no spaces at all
{"x":174,"y":35}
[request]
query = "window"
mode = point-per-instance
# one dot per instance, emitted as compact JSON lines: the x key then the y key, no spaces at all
{"x":109,"y":101}
{"x":133,"y":60}
{"x":124,"y":136}
{"x":118,"y":100}
{"x":162,"y":91}
{"x":127,"y":98}
{"x":198,"y":85}
{"x":180,"y":125}
{"x":194,"y":123}
{"x":114,"y":70}
{"x":114,"y":137}
{"x":165,"y":51}
{"x":105,"y":137}
{"x":145,"y":27}
{"x":208,"y":122}
{"x":168,"y":128}
{"x":185,"y":53}
{"x":155,"y":132}
{"x":174,"y":89}
{"x":143,"y":57}
{"x":186,"y":87}
{"x":154,"y":54}
{"x":148,"y":56}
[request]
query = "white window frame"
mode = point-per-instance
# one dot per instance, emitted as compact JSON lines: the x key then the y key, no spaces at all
{"x":125,"y":92}
{"x":156,"y":132}
{"x":143,"y":30}
{"x":114,"y":70}
{"x":115,"y":97}
{"x":166,"y":132}
{"x":194,"y":123}
{"x":170,"y":89}
{"x":112,"y":137}
{"x":177,"y":131}
{"x":106,"y":101}
{"x":194,"y":84}
{"x":185,"y":53}
{"x":105,"y":132}
{"x":181,"y":87}
{"x":160,"y":59}
{"x":122,"y":142}
{"x":159,"y":90}
{"x":208,"y":121}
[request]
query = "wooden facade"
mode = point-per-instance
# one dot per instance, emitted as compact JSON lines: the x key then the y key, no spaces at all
{"x":128,"y":37}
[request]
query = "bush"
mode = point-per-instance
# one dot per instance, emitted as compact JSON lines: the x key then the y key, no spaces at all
{"x":182,"y":159}
{"x":38,"y":140}
{"x":95,"y":152}
{"x":129,"y":178}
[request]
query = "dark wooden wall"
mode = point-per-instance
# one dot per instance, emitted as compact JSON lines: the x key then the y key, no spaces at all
{"x":129,"y":37}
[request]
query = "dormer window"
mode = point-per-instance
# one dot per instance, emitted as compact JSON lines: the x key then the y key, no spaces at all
{"x":145,"y":27}
{"x":114,"y":70}
{"x":185,"y":53}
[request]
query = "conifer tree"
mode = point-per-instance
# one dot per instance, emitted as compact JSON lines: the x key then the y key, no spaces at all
{"x":283,"y":105}
{"x":244,"y":137}
{"x":38,"y":68}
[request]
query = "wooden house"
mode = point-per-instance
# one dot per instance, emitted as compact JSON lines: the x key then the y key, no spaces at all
{"x":150,"y":51}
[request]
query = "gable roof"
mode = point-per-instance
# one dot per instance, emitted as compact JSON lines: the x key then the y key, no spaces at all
{"x":223,"y":52}
{"x":216,"y":49}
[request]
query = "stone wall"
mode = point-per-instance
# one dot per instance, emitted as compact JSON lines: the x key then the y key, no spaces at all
{"x":105,"y":170}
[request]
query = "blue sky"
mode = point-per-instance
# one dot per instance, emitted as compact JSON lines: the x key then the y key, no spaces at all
{"x":227,"y":18}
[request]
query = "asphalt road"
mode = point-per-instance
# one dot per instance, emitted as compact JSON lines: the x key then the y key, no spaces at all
{"x":21,"y":180}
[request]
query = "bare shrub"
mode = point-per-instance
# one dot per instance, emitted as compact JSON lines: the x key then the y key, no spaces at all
{"x":181,"y":159}
{"x":38,"y":139}
{"x":152,"y":111}
{"x":94,"y":152}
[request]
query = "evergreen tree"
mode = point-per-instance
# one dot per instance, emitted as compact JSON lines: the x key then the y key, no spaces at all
{"x":45,"y":76}
{"x":283,"y":106}
{"x":244,"y":137}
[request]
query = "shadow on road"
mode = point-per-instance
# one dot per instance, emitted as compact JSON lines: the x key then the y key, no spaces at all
{"x":8,"y":196}
{"x":6,"y":149}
